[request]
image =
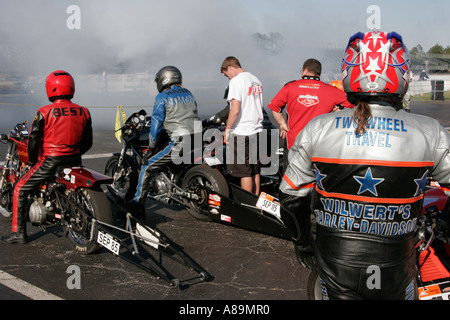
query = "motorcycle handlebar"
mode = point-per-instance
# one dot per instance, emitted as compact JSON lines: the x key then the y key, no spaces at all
{"x":3,"y":138}
{"x":19,"y":131}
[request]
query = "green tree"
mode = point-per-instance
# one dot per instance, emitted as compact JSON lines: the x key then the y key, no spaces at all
{"x":447,"y":50}
{"x":417,"y":50}
{"x":436,"y":49}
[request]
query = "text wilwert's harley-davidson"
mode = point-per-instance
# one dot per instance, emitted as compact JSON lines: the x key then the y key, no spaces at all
{"x":432,"y":239}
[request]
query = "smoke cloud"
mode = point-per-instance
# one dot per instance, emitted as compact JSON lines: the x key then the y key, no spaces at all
{"x":141,"y":36}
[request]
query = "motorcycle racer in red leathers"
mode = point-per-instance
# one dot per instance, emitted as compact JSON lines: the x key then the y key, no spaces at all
{"x":363,"y":173}
{"x":60,"y":133}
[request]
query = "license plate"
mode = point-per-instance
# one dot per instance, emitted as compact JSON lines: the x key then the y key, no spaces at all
{"x":269,"y":204}
{"x":212,"y":161}
{"x":108,"y":241}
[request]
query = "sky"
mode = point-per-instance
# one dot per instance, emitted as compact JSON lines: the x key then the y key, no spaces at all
{"x":202,"y":31}
{"x":196,"y":35}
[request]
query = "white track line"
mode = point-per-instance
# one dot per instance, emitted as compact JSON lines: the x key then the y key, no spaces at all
{"x":25,"y":288}
{"x":96,"y":156}
{"x":86,"y":156}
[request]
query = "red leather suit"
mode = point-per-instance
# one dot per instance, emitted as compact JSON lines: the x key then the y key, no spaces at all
{"x":60,"y":133}
{"x":60,"y":129}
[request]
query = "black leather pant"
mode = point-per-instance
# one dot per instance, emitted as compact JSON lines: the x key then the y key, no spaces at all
{"x":155,"y":163}
{"x":183,"y":146}
{"x":361,"y":266}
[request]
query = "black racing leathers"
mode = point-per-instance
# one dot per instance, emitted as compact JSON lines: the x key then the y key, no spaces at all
{"x":367,"y":192}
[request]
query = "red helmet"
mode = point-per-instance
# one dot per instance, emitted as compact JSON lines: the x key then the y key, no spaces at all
{"x":60,"y":85}
{"x":376,"y":64}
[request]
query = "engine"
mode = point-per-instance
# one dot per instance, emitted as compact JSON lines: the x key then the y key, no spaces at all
{"x":161,"y":186}
{"x":39,"y":211}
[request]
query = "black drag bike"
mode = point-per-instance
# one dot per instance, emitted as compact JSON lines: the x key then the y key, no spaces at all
{"x":193,"y":185}
{"x":185,"y":184}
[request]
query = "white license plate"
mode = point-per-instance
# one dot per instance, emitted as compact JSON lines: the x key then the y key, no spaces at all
{"x":269,"y":204}
{"x":108,"y":241}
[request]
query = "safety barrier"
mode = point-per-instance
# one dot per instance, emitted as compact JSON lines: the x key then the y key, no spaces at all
{"x":437,"y":87}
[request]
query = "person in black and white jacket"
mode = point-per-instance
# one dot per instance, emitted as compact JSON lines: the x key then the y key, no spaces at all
{"x":363,"y":172}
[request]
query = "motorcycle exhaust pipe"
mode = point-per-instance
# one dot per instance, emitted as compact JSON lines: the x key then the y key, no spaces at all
{"x":163,"y":200}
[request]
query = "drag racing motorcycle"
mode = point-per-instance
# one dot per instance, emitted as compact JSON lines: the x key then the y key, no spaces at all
{"x":72,"y":198}
{"x":432,"y":245}
{"x":185,"y":184}
{"x":190,"y":185}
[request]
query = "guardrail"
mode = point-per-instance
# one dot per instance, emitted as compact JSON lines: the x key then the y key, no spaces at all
{"x":435,"y":86}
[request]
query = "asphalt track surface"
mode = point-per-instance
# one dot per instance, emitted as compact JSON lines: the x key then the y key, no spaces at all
{"x":241,"y":265}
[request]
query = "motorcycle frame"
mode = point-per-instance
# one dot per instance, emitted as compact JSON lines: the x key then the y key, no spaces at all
{"x":80,"y":177}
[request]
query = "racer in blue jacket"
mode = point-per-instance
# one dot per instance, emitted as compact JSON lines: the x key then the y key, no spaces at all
{"x":174,"y":117}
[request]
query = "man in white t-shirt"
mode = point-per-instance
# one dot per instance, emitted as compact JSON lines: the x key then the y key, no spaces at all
{"x":244,"y":123}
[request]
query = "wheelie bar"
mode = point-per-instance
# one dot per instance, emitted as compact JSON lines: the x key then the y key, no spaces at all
{"x":135,"y":244}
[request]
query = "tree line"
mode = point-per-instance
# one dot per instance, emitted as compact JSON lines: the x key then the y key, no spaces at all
{"x":436,"y":49}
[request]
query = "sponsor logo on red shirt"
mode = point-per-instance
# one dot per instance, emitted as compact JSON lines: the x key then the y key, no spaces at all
{"x":308,"y":100}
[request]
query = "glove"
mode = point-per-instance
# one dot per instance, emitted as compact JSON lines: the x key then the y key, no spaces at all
{"x":296,"y":215}
{"x":305,"y":256}
{"x":147,"y":155}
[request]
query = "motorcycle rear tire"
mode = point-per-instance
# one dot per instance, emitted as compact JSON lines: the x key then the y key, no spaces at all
{"x":206,"y":176}
{"x":100,"y":209}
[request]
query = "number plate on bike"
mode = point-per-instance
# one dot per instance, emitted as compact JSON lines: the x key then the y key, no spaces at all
{"x":108,"y":241}
{"x":269,"y":204}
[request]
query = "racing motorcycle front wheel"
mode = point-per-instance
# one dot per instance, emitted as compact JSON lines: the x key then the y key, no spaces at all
{"x":6,"y":204}
{"x":314,"y":286}
{"x":125,"y":178}
{"x":198,"y":180}
{"x":86,"y":204}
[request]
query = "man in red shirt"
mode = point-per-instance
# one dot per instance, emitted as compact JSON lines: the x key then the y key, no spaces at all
{"x":305,"y":99}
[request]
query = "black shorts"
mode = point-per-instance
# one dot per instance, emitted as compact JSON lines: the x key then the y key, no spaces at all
{"x":243,"y":156}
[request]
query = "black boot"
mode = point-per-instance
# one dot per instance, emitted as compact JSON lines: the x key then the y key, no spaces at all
{"x":20,"y":236}
{"x":16,"y":237}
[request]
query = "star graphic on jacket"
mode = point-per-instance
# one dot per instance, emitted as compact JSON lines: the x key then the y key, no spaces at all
{"x":319,"y":178}
{"x":368,"y":183}
{"x":421,"y":182}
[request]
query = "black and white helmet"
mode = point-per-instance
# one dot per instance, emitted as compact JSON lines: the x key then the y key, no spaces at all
{"x":168,"y":76}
